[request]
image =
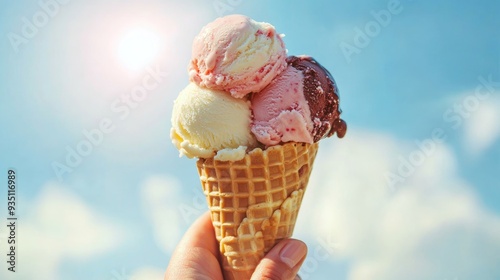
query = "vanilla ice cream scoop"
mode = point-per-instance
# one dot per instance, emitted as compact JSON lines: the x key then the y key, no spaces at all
{"x":237,"y":54}
{"x":206,"y":121}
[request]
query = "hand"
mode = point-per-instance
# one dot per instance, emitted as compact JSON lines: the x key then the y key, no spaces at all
{"x":197,"y":256}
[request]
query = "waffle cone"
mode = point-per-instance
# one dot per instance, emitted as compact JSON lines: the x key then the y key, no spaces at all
{"x":254,"y":201}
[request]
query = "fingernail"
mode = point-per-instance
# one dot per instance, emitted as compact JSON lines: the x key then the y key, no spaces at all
{"x":292,"y":253}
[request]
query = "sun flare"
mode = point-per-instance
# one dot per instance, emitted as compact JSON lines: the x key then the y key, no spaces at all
{"x":138,"y":48}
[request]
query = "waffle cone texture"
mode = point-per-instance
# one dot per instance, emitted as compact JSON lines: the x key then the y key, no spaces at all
{"x":254,"y":201}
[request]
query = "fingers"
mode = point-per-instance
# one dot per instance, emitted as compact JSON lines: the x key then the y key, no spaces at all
{"x":196,"y":256}
{"x":201,"y":235}
{"x":282,"y":262}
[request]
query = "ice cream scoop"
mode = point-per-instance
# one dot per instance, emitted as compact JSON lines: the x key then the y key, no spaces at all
{"x":206,"y":121}
{"x":242,"y":87}
{"x":237,"y":54}
{"x":301,"y":105}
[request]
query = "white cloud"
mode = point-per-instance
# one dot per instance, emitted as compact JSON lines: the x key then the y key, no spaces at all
{"x":432,"y":226}
{"x":160,"y":198}
{"x":482,"y":129}
{"x":60,"y":226}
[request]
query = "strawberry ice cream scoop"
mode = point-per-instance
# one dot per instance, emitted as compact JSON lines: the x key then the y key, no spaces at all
{"x":237,"y":54}
{"x":301,"y":105}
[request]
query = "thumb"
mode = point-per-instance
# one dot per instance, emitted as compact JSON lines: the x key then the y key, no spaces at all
{"x":282,"y":262}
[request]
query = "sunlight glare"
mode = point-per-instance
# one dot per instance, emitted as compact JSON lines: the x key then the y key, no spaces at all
{"x":138,"y":48}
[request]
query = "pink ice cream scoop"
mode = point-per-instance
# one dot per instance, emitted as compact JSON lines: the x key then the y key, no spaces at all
{"x":301,"y":105}
{"x":237,"y":54}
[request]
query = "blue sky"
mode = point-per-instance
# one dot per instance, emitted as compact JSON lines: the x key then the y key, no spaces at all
{"x":411,"y":192}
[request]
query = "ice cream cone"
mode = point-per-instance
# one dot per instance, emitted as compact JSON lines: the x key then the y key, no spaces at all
{"x":254,"y":202}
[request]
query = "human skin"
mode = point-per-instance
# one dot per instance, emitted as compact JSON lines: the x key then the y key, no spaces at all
{"x":197,"y":256}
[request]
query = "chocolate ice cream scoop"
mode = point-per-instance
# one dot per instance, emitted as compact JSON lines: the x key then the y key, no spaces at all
{"x":301,"y":105}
